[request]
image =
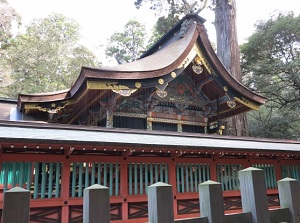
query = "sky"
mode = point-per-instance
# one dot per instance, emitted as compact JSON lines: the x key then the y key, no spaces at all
{"x":99,"y":19}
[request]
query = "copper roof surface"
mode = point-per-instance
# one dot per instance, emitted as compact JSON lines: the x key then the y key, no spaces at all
{"x":156,"y":65}
{"x":165,"y":59}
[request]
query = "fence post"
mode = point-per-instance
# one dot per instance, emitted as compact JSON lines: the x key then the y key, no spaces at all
{"x":211,"y":201}
{"x":16,"y":206}
{"x":160,"y":203}
{"x":254,"y":195}
{"x":96,"y":208}
{"x":289,"y":197}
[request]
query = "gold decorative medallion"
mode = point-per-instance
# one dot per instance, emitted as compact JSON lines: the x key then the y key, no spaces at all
{"x":161,"y":81}
{"x":225,"y":88}
{"x":161,"y":94}
{"x":197,"y":60}
{"x":138,"y":84}
{"x":126,"y":92}
{"x":231,"y":104}
{"x":173,"y":74}
{"x":197,"y":69}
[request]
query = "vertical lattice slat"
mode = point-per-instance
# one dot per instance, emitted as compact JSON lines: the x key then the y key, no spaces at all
{"x":36,"y":180}
{"x":146,"y":178}
{"x":151,"y":174}
{"x":182,"y":178}
{"x":57,"y":180}
{"x":166,"y":174}
{"x":141,"y":178}
{"x":29,"y":174}
{"x":86,"y":175}
{"x":105,"y":174}
{"x":187,"y":178}
{"x":21,"y":173}
{"x":161,"y":175}
{"x":156,"y":172}
{"x":111,"y":171}
{"x":130,"y":178}
{"x":195,"y":177}
{"x":135,"y":179}
{"x":178,"y":180}
{"x":80,"y":185}
{"x":93,"y":174}
{"x":117,"y":179}
{"x":73,"y":184}
{"x":50,"y":186}
{"x":99,"y":174}
{"x":5,"y":181}
{"x":13,"y":174}
{"x":200,"y":173}
{"x":44,"y":176}
{"x":191,"y":177}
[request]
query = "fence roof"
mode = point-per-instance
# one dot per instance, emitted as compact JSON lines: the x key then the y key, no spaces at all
{"x":66,"y":134}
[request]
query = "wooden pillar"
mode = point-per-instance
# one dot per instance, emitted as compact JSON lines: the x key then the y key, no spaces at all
{"x":149,"y":121}
{"x":96,"y":208}
{"x":213,"y":170}
{"x":160,"y":203}
{"x":289,"y":197}
{"x":65,"y":188}
{"x":16,"y":206}
{"x":179,"y":127}
{"x":109,"y":119}
{"x":278,"y":173}
{"x":172,"y":181}
{"x":254,"y":195}
{"x":211,"y":201}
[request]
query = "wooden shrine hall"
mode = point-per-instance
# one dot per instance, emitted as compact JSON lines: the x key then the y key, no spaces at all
{"x":159,"y":118}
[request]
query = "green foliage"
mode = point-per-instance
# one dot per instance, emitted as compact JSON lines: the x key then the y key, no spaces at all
{"x":8,"y":16}
{"x":168,"y":15}
{"x":47,"y":57}
{"x":271,"y":66}
{"x":127,"y":46}
{"x":270,"y":122}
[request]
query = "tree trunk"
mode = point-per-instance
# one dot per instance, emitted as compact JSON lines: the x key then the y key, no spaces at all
{"x":228,"y":52}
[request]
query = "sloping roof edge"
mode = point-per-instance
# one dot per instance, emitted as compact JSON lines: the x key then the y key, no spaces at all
{"x":16,"y":131}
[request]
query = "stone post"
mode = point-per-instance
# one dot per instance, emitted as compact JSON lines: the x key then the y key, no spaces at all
{"x":254,"y":195}
{"x":211,"y":201}
{"x":289,"y":197}
{"x":160,"y":203}
{"x":96,"y":208}
{"x":16,"y":206}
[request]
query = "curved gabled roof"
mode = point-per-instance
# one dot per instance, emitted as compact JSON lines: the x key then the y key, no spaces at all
{"x":166,"y":56}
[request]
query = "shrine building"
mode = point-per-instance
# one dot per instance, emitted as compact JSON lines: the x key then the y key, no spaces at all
{"x":157,"y":119}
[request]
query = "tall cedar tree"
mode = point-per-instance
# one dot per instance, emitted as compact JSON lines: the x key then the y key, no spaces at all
{"x":228,"y":52}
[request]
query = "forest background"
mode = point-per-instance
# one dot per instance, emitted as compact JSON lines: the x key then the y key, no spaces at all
{"x":48,"y":54}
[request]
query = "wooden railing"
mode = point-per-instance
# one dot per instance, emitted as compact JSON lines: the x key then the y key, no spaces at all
{"x":160,"y":202}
